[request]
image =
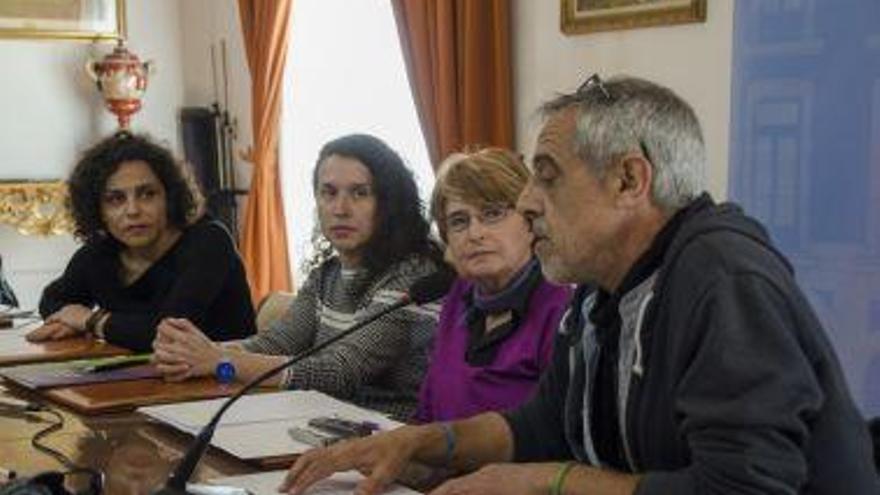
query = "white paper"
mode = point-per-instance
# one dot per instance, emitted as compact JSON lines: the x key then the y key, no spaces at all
{"x":11,"y":339}
{"x":339,"y":484}
{"x":257,"y":425}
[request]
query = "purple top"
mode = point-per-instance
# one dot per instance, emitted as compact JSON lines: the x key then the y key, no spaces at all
{"x":453,"y":388}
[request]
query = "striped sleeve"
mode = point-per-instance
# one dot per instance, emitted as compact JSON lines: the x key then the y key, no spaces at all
{"x":296,"y":329}
{"x":375,"y":350}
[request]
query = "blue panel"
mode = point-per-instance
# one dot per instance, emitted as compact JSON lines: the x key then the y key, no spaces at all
{"x":805,"y":159}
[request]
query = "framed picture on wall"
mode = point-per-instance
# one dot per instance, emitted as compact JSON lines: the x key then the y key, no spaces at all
{"x":63,"y":19}
{"x":587,"y":16}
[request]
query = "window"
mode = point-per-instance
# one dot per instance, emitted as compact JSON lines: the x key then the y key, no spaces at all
{"x":345,"y":74}
{"x":805,"y":159}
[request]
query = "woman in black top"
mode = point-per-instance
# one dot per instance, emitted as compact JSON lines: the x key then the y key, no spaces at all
{"x":149,"y":253}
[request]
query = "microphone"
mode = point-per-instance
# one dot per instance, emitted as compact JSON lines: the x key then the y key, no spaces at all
{"x":423,"y":290}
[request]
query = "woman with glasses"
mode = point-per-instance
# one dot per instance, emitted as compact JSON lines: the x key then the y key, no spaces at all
{"x":373,"y":244}
{"x":498,"y":321}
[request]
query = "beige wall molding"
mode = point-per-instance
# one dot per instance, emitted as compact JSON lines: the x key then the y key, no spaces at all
{"x":35,"y":207}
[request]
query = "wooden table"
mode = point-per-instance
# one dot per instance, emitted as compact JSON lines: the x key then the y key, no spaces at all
{"x":14,"y":349}
{"x":135,"y":453}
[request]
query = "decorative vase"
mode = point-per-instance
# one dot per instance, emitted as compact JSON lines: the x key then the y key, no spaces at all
{"x":121,"y":78}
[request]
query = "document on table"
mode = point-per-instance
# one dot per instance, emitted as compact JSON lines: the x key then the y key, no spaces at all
{"x":339,"y":484}
{"x":257,"y":426}
{"x":11,"y":338}
{"x":81,"y":371}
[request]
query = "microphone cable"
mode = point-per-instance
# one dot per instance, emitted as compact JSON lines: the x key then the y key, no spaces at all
{"x":56,"y":423}
{"x":423,"y":290}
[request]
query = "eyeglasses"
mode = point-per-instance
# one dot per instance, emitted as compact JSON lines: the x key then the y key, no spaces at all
{"x":460,"y":221}
{"x":595,"y":81}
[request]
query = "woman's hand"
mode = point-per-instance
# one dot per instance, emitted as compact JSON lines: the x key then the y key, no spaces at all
{"x":67,"y":322}
{"x":380,"y":457}
{"x":72,"y":315}
{"x":51,"y":331}
{"x":182,"y":351}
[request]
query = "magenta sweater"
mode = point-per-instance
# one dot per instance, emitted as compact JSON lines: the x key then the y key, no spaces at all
{"x":454,"y":389}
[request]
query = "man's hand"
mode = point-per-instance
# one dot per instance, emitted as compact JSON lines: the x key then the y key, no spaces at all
{"x":182,"y":351}
{"x":502,"y":479}
{"x":380,"y":457}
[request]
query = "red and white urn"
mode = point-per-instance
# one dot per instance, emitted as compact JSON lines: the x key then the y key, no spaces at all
{"x":121,"y":78}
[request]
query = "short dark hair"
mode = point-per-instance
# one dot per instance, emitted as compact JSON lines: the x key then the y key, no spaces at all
{"x":98,"y":163}
{"x":401,"y":228}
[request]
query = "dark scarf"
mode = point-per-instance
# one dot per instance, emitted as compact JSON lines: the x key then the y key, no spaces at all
{"x":514,"y":299}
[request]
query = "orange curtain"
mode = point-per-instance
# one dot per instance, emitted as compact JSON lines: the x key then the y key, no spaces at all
{"x":457,"y":54}
{"x":264,"y":24}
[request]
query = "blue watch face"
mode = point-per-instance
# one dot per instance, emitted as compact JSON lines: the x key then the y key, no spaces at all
{"x":225,"y":372}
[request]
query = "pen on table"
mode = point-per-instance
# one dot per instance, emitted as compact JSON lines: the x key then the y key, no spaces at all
{"x":27,"y":313}
{"x":119,"y":364}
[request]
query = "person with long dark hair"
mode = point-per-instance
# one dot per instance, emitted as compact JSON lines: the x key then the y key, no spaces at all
{"x":149,"y":252}
{"x":371,"y":216}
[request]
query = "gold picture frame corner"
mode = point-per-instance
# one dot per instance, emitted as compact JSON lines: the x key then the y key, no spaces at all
{"x":622,"y":19}
{"x":36,"y":208}
{"x":84,"y":35}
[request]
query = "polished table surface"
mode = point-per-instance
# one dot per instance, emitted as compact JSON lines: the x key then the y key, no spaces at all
{"x":135,"y":453}
{"x":14,"y":349}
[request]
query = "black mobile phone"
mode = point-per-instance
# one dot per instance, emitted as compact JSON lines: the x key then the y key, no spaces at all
{"x":345,"y":428}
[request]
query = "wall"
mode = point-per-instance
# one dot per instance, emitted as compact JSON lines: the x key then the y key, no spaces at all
{"x":204,"y":23}
{"x":692,"y":59}
{"x":57,"y":112}
{"x":52,"y":112}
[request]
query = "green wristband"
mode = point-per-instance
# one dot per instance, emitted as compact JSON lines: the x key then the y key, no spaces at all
{"x":559,"y":479}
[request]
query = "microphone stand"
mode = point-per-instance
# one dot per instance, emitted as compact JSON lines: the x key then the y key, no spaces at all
{"x":176,"y":484}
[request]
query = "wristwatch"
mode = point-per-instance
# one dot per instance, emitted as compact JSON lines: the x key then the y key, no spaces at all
{"x":93,"y":323}
{"x":225,"y":371}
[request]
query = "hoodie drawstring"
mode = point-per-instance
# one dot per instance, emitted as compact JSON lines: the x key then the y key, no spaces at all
{"x":638,"y":368}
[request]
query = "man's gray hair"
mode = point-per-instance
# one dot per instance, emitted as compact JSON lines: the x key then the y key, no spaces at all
{"x":627,"y":114}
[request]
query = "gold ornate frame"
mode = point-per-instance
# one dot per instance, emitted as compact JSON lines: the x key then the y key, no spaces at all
{"x":35,"y":207}
{"x":577,"y":17}
{"x":42,"y":31}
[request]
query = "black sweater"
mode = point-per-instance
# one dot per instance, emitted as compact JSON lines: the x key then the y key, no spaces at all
{"x":200,"y":278}
{"x":741,"y":391}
